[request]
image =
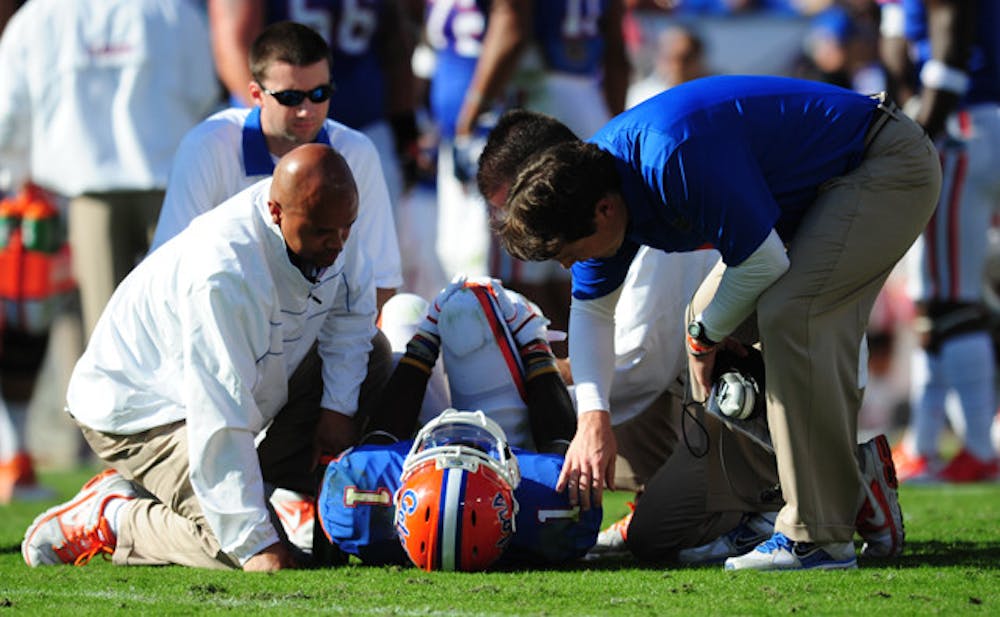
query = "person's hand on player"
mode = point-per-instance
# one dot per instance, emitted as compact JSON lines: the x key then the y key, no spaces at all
{"x":590,"y":460}
{"x":275,"y":557}
{"x":334,"y":434}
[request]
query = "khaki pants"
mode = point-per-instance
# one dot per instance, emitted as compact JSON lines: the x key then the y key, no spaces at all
{"x":168,"y":526}
{"x":108,"y":233}
{"x":646,"y":441}
{"x":811,"y":322}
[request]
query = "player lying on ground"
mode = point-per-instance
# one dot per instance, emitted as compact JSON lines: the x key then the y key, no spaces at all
{"x":493,"y":343}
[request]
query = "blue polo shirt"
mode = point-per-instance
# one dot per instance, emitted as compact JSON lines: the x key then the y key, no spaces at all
{"x":718,"y":162}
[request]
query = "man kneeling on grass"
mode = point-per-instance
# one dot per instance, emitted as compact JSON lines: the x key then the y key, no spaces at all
{"x":224,"y":364}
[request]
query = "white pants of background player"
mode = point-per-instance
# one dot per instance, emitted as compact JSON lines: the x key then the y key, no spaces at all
{"x":951,"y":256}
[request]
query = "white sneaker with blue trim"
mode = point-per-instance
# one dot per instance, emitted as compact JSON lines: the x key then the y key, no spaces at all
{"x":782,"y":553}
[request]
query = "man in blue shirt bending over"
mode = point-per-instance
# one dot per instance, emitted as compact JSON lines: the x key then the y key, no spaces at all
{"x":811,"y":194}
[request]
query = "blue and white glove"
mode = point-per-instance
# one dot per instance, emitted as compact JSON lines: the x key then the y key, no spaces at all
{"x":523,"y":318}
{"x":430,"y":323}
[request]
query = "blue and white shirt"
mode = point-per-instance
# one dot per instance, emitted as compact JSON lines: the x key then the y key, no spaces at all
{"x":227,"y":152}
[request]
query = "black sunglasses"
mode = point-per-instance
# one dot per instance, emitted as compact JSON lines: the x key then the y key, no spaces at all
{"x":294,"y":98}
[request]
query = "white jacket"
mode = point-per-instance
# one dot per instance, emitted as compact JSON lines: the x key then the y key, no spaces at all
{"x":208,"y":329}
{"x":95,"y":95}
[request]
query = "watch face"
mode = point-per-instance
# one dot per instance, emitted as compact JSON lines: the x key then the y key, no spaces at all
{"x":694,"y":329}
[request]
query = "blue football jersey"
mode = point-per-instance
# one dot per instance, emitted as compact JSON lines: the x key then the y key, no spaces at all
{"x":356,"y":509}
{"x":455,"y":30}
{"x":352,"y":29}
{"x":547,"y":529}
{"x":569,"y":36}
{"x":356,"y":506}
{"x":984,"y":59}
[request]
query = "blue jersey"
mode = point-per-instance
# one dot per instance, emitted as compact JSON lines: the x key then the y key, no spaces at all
{"x":984,"y":59}
{"x":455,"y":29}
{"x":569,"y":36}
{"x":718,"y":162}
{"x":352,"y":29}
{"x":356,"y":509}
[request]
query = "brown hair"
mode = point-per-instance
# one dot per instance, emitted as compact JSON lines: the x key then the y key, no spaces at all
{"x":552,"y":201}
{"x":286,"y":41}
{"x":518,"y":134}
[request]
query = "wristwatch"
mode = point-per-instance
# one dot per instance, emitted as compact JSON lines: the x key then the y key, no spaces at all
{"x":696,"y":330}
{"x":698,"y":343}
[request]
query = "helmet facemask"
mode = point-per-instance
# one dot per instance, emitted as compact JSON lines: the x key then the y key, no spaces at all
{"x":455,"y":507}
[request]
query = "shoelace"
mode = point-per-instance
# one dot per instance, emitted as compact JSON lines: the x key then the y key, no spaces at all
{"x":776,"y":542}
{"x":80,"y":548}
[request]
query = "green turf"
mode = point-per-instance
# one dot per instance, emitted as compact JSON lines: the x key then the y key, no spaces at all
{"x":951,"y":566}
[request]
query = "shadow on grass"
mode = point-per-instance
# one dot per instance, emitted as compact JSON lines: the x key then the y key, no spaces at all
{"x":980,"y":555}
{"x":917,"y":555}
{"x":942,"y":554}
{"x":11,"y":548}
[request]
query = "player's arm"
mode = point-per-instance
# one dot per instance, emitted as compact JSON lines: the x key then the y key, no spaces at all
{"x":395,"y":417}
{"x":944,"y":78}
{"x":894,"y":53}
{"x":233,"y":25}
{"x":395,"y":47}
{"x":616,"y":66}
{"x":590,"y":459}
{"x":507,"y":32}
{"x":550,"y":408}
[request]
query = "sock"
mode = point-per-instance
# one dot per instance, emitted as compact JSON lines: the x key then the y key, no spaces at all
{"x":8,"y":435}
{"x":113,"y":511}
{"x":19,"y":418}
{"x":969,"y":367}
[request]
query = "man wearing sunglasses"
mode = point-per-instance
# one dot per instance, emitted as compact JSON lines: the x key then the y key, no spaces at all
{"x":370,"y":43}
{"x":236,"y":147}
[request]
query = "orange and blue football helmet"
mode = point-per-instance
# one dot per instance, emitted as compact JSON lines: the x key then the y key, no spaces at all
{"x":455,"y":506}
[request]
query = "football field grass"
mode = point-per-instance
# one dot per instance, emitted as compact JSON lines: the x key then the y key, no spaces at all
{"x":951,"y":566}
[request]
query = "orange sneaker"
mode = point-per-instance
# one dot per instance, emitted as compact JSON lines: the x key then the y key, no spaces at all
{"x":297,"y":513}
{"x":611,"y":541}
{"x":967,"y":468}
{"x":909,"y":466}
{"x":77,"y":530}
{"x":18,"y":481}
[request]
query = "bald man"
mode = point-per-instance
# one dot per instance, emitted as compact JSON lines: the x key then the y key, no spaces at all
{"x":223,"y":365}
